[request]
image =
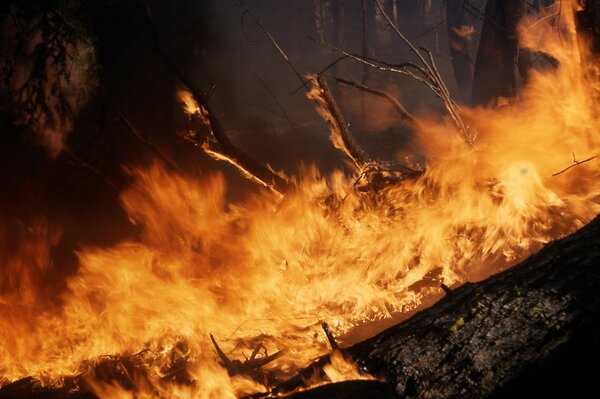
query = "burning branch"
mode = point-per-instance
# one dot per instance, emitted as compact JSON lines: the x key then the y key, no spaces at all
{"x":216,"y":144}
{"x":340,"y":134}
{"x":575,"y":163}
{"x":377,"y":173}
{"x":250,"y":367}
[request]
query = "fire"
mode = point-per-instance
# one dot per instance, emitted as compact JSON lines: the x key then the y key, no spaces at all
{"x":266,"y":271}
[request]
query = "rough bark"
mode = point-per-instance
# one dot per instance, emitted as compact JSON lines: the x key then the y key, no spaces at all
{"x":494,"y":74}
{"x":531,"y":331}
{"x":505,"y":336}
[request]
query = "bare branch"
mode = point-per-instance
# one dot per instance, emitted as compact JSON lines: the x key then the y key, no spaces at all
{"x":274,"y":97}
{"x":433,"y":75}
{"x":340,"y":134}
{"x":216,"y":144}
{"x":404,"y":114}
{"x":575,"y":163}
{"x":146,"y":141}
{"x":278,"y":48}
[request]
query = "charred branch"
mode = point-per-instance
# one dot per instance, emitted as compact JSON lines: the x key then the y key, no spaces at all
{"x":575,"y":163}
{"x":216,"y":143}
{"x":330,"y":336}
{"x":340,"y":136}
{"x":378,"y":174}
{"x":251,"y":367}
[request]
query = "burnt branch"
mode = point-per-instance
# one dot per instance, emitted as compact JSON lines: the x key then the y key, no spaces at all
{"x":330,"y":336}
{"x":575,"y":163}
{"x":375,"y":174}
{"x":250,"y":367}
{"x":340,"y":134}
{"x":434,"y":77}
{"x":216,"y":143}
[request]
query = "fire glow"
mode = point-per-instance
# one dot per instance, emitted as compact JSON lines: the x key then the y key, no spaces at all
{"x":266,"y":271}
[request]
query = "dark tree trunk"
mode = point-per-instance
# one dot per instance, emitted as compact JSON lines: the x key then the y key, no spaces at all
{"x":494,"y":74}
{"x":588,"y":23}
{"x":531,"y":331}
{"x":458,"y":23}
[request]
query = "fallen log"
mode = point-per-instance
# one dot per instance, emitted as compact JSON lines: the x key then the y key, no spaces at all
{"x":531,"y":331}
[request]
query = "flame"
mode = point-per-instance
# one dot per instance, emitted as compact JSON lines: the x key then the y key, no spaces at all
{"x":464,"y":31}
{"x":268,"y":270}
{"x":342,"y":369}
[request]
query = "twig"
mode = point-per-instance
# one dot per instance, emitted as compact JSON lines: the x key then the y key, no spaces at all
{"x":330,"y":336}
{"x":387,"y":67}
{"x":575,"y":163}
{"x":404,"y":114}
{"x":146,"y":141}
{"x":278,"y":48}
{"x":274,"y":97}
{"x":434,"y":76}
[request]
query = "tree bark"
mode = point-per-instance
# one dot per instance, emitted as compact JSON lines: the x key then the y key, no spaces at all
{"x":531,"y":331}
{"x":494,"y":74}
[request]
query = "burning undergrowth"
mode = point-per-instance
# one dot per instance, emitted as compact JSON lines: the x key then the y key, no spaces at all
{"x":262,"y":274}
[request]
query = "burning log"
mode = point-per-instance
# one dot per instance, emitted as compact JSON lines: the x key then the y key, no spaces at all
{"x":507,"y":336}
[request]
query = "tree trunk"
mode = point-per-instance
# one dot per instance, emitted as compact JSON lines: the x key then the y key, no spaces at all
{"x":494,"y":75}
{"x":459,"y":23}
{"x":531,"y":331}
{"x":588,"y":23}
